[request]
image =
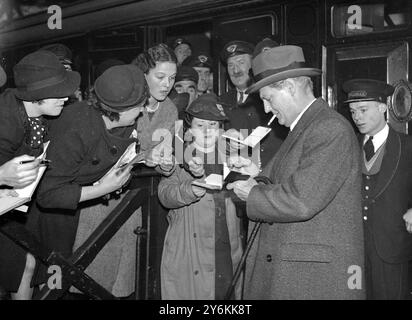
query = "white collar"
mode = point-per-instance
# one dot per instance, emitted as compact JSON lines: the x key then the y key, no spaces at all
{"x":379,"y":138}
{"x":300,"y":115}
{"x":245,"y":95}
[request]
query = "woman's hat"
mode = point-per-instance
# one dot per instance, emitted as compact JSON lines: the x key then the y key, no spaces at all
{"x":40,"y":75}
{"x":279,"y":63}
{"x":207,"y":107}
{"x":121,"y":87}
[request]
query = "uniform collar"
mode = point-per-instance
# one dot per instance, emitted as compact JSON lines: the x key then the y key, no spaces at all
{"x":379,"y":138}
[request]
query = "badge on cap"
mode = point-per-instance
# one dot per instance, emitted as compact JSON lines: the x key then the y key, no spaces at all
{"x":179,"y":41}
{"x":220,"y":108}
{"x":232,"y":48}
{"x":357,"y":94}
{"x":202,"y":58}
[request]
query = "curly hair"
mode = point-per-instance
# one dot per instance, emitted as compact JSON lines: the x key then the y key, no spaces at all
{"x":158,"y":53}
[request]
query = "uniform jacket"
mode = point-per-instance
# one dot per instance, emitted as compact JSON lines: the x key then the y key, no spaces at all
{"x":250,"y":115}
{"x":188,"y":261}
{"x":82,"y":150}
{"x":388,"y":198}
{"x":314,"y":233}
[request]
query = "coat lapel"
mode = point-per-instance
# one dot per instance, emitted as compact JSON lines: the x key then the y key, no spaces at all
{"x":390,"y":162}
{"x":306,"y":119}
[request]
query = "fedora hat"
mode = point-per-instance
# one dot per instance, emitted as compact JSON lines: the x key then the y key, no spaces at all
{"x":121,"y":87}
{"x":279,"y":63}
{"x":40,"y":75}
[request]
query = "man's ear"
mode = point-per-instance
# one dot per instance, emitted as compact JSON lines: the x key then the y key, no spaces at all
{"x":382,"y":107}
{"x":291,"y":86}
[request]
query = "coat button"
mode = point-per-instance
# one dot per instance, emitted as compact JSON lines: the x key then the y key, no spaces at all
{"x":269,"y":258}
{"x":365,"y":208}
{"x":365,"y":218}
{"x":366,"y":197}
{"x":95,"y":161}
{"x":368,"y":177}
{"x":113,"y":150}
{"x":196,"y":272}
{"x":366,"y":187}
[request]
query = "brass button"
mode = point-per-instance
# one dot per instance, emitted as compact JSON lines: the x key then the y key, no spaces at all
{"x":366,"y":187}
{"x":365,"y":208}
{"x":365,"y":218}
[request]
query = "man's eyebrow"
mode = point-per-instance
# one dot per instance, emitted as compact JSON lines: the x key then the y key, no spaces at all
{"x":178,"y":85}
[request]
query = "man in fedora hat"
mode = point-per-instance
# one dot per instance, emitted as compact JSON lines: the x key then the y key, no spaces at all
{"x":43,"y":86}
{"x":245,"y":111}
{"x":386,"y":190}
{"x":310,"y":245}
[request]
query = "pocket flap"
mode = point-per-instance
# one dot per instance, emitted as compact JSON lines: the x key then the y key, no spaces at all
{"x":307,"y":252}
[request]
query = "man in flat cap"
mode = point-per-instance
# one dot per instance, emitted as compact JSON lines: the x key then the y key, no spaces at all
{"x":182,"y":49}
{"x":186,"y":81}
{"x":310,"y":244}
{"x":386,"y":190}
{"x":245,"y":111}
{"x":203,"y":66}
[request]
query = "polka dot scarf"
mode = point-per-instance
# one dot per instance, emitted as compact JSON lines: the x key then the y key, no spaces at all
{"x":37,"y":132}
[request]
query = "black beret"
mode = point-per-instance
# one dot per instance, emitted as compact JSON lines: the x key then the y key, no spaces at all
{"x":367,"y":90}
{"x":207,"y":107}
{"x":235,"y":48}
{"x":186,"y":73}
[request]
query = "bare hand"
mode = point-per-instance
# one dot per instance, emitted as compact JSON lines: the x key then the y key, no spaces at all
{"x":115,"y":180}
{"x":408,"y":220}
{"x":242,"y":188}
{"x":17,"y":175}
{"x":196,"y":167}
{"x":243,"y":165}
{"x":198,"y":191}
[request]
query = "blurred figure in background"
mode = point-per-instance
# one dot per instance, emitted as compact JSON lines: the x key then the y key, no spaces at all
{"x":202,"y":63}
{"x":182,"y":49}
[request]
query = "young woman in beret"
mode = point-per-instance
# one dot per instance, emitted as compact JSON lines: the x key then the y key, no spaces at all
{"x":43,"y":86}
{"x":86,"y":141}
{"x":202,"y":246}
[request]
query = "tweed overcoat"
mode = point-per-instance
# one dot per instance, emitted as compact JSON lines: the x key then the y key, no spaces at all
{"x":312,"y":244}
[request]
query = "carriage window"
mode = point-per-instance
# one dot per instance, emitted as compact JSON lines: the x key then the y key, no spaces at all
{"x":360,"y":19}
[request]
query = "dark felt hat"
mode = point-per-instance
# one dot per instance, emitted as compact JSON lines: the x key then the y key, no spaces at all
{"x":367,"y":90}
{"x":3,"y":77}
{"x":106,"y":64}
{"x":201,"y":61}
{"x":180,"y":41}
{"x":186,"y":73}
{"x":61,"y":51}
{"x":235,"y":48}
{"x":265,"y":44}
{"x":279,"y":63}
{"x":121,"y":87}
{"x":40,"y":75}
{"x":207,"y":107}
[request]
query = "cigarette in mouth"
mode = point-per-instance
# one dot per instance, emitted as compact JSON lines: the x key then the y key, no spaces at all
{"x":271,"y":119}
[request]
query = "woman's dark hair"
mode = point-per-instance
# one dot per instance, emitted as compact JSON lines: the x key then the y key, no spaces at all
{"x":95,"y":103}
{"x":158,"y":53}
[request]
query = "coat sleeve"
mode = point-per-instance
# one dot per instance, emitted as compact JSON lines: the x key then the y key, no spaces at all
{"x":327,"y":156}
{"x":176,"y":191}
{"x":58,"y":188}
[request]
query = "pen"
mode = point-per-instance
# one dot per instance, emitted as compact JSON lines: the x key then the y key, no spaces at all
{"x":271,"y":119}
{"x":43,"y":162}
